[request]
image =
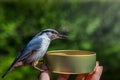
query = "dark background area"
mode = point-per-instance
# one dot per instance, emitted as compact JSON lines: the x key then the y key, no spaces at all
{"x":89,"y":25}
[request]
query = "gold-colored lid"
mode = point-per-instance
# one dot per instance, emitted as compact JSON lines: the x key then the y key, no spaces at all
{"x":71,"y":61}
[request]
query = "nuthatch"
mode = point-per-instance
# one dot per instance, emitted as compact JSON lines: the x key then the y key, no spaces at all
{"x":35,"y":49}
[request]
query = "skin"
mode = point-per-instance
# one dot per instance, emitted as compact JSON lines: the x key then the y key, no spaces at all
{"x":95,"y":75}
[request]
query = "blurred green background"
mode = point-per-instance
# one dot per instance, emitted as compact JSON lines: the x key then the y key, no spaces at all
{"x":90,"y":25}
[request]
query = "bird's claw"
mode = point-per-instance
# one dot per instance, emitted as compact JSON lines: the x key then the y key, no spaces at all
{"x":38,"y":69}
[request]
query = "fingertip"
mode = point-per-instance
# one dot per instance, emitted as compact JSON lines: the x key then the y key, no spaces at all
{"x":96,"y":74}
{"x":97,"y":63}
{"x":44,"y":75}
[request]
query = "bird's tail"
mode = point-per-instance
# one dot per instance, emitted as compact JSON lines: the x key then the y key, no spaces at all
{"x":14,"y":65}
{"x":7,"y":71}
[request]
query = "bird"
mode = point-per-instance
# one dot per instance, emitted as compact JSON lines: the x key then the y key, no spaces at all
{"x":35,"y":49}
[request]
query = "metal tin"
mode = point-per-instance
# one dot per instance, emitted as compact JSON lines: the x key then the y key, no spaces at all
{"x":71,"y":61}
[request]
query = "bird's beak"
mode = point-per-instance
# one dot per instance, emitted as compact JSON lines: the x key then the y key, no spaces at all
{"x":62,"y":36}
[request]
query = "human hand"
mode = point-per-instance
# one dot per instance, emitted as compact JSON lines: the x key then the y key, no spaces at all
{"x":90,"y":76}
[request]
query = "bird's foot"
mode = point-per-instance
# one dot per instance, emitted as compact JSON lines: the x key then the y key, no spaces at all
{"x":42,"y":67}
{"x":38,"y":68}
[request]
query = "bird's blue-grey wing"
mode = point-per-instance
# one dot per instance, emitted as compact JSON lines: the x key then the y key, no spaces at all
{"x":33,"y":45}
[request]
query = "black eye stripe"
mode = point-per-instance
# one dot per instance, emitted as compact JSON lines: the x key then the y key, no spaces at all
{"x":54,"y":32}
{"x":51,"y":32}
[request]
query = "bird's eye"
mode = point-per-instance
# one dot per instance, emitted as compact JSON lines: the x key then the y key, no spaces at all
{"x":52,"y":32}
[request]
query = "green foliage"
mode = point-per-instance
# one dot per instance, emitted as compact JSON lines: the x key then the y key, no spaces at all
{"x":90,"y":25}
